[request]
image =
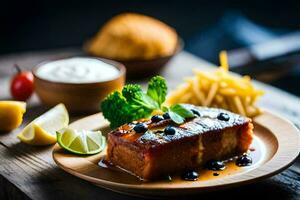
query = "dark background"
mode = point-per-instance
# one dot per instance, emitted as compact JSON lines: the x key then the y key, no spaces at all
{"x":205,"y":25}
{"x":45,"y":24}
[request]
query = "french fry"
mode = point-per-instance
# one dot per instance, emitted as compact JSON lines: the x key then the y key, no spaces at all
{"x":223,"y":60}
{"x":239,"y":105}
{"x":197,"y":91}
{"x":211,"y":94}
{"x":219,"y":89}
{"x":185,"y":97}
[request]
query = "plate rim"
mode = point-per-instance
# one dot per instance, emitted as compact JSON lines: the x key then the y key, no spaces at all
{"x":281,"y":160}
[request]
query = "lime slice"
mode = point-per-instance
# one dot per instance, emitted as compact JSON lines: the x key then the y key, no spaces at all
{"x":42,"y":130}
{"x":81,"y":141}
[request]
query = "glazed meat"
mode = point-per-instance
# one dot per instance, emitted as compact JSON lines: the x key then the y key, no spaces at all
{"x":166,"y":148}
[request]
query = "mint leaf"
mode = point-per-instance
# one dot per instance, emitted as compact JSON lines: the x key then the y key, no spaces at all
{"x":164,"y":109}
{"x":175,"y":117}
{"x":178,"y":113}
{"x":182,"y":111}
{"x":149,"y":102}
{"x":157,"y":89}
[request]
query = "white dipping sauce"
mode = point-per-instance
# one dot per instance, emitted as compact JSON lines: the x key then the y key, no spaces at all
{"x":77,"y":70}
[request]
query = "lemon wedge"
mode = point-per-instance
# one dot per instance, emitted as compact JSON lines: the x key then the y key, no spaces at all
{"x":11,"y":114}
{"x":81,"y":141}
{"x":42,"y":130}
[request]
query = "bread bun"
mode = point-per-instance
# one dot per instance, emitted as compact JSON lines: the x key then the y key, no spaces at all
{"x":131,"y":36}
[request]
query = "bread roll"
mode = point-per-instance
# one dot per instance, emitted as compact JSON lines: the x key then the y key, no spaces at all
{"x":131,"y":36}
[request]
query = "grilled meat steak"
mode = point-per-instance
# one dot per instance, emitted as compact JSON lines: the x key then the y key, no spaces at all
{"x":150,"y":149}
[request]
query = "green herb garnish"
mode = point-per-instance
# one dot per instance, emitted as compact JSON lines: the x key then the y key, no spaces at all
{"x":133,"y":103}
{"x":178,"y":113}
{"x":157,"y":89}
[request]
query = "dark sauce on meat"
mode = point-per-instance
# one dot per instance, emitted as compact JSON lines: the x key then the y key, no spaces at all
{"x":159,"y":132}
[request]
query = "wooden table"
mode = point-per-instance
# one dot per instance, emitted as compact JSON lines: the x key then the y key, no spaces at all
{"x":29,"y":172}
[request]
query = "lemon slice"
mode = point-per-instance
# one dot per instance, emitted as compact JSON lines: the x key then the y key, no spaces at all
{"x":81,"y":141}
{"x":42,"y":130}
{"x":11,"y":114}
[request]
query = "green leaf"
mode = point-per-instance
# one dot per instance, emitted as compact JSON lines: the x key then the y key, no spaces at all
{"x":164,"y":109}
{"x":182,"y":111}
{"x":150,"y":102}
{"x":135,"y":96}
{"x":132,"y":104}
{"x":178,"y":113}
{"x":157,"y":89}
{"x":176,"y":117}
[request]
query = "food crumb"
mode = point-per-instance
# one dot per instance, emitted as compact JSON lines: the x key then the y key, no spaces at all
{"x":216,"y":174}
{"x":252,"y":149}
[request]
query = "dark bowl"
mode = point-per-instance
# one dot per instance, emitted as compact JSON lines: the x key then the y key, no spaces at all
{"x":138,"y":69}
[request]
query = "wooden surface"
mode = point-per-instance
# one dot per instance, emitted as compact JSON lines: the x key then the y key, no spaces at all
{"x":276,"y":142}
{"x":29,"y":172}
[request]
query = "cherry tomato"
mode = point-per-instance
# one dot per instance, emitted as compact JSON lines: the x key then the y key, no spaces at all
{"x":21,"y":87}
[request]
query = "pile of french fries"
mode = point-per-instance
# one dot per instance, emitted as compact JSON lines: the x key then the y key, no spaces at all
{"x":219,"y":89}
